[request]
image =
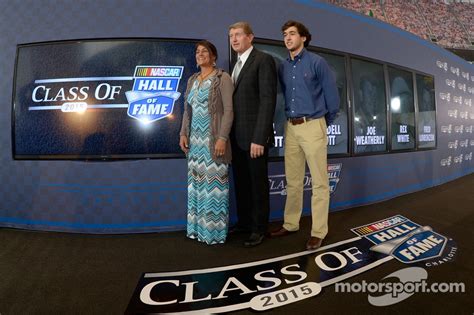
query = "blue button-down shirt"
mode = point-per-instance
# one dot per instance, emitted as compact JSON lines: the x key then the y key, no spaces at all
{"x":309,"y":87}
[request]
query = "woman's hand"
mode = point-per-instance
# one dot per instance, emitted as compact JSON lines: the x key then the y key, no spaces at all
{"x":219,"y":147}
{"x":183,"y":143}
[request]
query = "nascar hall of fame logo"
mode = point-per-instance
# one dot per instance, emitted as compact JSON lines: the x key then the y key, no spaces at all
{"x":408,"y":241}
{"x":271,"y":283}
{"x":278,"y":182}
{"x":153,"y":94}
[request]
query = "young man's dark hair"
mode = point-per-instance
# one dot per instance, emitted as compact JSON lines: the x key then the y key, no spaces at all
{"x":302,"y":30}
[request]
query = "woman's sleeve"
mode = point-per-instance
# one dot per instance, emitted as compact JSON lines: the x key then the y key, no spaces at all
{"x":227,"y":89}
{"x":185,"y":122}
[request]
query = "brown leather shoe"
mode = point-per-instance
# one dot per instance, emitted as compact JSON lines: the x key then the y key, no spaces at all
{"x":281,"y":232}
{"x":313,"y":243}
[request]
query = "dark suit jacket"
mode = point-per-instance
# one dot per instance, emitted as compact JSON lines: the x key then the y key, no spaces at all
{"x":254,"y":101}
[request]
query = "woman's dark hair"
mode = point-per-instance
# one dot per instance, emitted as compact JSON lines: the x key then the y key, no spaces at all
{"x":209,"y":46}
{"x":302,"y":30}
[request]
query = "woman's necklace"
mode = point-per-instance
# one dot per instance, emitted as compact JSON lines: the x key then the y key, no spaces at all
{"x":203,"y":77}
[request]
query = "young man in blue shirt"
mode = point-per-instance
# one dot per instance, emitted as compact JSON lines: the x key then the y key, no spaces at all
{"x":311,"y":104}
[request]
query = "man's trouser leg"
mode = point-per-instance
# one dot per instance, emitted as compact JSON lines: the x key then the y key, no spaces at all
{"x":314,"y":144}
{"x":294,"y":172}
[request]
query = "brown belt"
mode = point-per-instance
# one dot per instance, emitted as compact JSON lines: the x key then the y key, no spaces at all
{"x":299,"y":120}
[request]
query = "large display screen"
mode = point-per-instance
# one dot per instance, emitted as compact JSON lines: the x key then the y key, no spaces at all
{"x":402,"y":109}
{"x":337,"y":132}
{"x":100,"y":99}
{"x":426,"y":112}
{"x":370,"y":112}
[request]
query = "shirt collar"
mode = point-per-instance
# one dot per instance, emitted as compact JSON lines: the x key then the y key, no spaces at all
{"x":245,"y":55}
{"x":298,"y":56}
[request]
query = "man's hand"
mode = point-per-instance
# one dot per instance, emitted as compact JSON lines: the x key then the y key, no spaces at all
{"x":256,"y":150}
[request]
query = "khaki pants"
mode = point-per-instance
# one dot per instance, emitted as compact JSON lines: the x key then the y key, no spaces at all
{"x":307,"y":142}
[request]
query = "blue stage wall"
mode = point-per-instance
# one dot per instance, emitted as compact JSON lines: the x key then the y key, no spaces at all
{"x":150,"y":195}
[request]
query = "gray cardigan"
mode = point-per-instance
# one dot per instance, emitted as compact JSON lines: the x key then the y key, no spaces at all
{"x":220,"y":110}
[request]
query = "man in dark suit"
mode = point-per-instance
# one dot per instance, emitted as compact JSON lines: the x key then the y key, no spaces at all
{"x":255,"y":87}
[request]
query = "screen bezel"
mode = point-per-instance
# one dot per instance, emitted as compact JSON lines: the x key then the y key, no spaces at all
{"x":111,"y":157}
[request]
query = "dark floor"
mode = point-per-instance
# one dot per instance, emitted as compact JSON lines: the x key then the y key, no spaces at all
{"x":60,"y":273}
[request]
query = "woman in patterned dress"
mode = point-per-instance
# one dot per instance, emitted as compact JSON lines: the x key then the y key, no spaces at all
{"x":204,"y":137}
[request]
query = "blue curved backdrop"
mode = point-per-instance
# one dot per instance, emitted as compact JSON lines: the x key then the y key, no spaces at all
{"x":150,"y":195}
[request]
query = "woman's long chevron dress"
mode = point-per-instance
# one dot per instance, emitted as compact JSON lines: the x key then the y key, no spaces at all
{"x":208,"y":182}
